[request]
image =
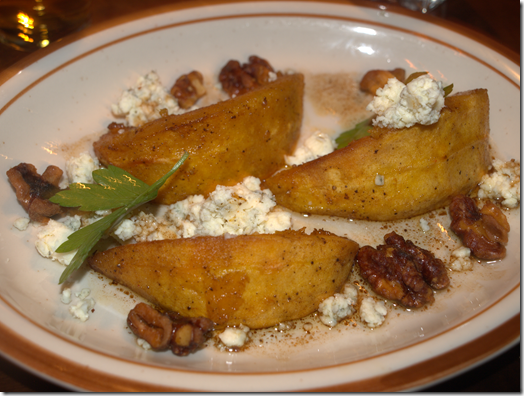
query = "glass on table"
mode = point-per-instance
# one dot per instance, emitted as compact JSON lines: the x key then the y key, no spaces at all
{"x":27,"y":25}
{"x":421,"y":5}
{"x":424,"y":6}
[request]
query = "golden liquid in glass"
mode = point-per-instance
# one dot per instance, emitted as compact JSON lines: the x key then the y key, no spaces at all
{"x":31,"y":24}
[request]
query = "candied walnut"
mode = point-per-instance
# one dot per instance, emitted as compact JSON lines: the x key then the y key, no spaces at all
{"x":117,"y":126}
{"x":150,"y":325}
{"x":432,"y":269}
{"x":392,"y":275}
{"x":188,"y":333}
{"x":402,"y":271}
{"x":375,"y":79}
{"x":188,"y":89}
{"x":34,"y":190}
{"x":238,"y":79}
{"x":169,"y":331}
{"x":484,"y":231}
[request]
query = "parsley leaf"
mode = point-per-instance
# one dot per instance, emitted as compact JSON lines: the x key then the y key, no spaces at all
{"x":116,"y":188}
{"x":359,"y":131}
{"x":412,"y":76}
{"x":448,"y":89}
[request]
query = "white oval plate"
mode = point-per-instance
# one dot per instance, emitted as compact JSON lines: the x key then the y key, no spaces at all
{"x":67,"y":94}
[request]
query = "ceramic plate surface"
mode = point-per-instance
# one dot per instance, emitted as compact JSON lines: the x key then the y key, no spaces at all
{"x":66,"y":95}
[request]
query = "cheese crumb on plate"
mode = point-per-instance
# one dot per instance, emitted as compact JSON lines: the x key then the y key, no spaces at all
{"x":339,"y":306}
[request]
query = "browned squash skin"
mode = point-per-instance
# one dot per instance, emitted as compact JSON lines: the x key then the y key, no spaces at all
{"x":423,"y":167}
{"x":227,"y":141}
{"x":255,"y":280}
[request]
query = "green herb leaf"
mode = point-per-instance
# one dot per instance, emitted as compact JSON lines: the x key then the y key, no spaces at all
{"x":85,"y":239}
{"x":448,"y":90}
{"x":115,"y":188}
{"x":412,"y":76}
{"x":122,"y":190}
{"x":359,"y":131}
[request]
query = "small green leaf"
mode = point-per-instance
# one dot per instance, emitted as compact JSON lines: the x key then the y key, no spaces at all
{"x":115,"y":188}
{"x":85,"y":240}
{"x":359,"y":131}
{"x":90,"y":197}
{"x":448,"y":90}
{"x":412,"y":76}
{"x":121,"y":190}
{"x":115,"y":177}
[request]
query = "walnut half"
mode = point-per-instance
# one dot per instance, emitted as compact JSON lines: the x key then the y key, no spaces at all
{"x":188,"y":89}
{"x":484,"y":231}
{"x":375,"y":79}
{"x":237,"y":79}
{"x":169,"y":331}
{"x":402,"y":271}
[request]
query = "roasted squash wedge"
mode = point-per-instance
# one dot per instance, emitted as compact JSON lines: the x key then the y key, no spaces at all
{"x":227,"y":141}
{"x":255,"y":280}
{"x":395,"y":174}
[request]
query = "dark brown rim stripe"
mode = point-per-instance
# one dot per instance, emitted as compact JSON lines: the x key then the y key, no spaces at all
{"x":52,"y":365}
{"x":134,"y":384}
{"x":440,"y":366}
{"x":6,"y":75}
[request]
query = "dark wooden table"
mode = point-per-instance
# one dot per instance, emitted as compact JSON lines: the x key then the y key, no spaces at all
{"x":498,"y":20}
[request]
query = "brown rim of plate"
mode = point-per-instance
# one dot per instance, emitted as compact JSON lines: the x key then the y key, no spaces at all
{"x":477,"y":36}
{"x":58,"y":369}
{"x":54,"y":367}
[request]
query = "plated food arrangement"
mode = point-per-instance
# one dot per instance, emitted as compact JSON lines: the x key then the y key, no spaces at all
{"x":413,"y":161}
{"x":265,"y":227}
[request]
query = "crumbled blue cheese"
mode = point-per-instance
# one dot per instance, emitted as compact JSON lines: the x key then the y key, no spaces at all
{"x":81,"y":309}
{"x":82,"y":306}
{"x":80,"y":169}
{"x":317,"y":145}
{"x":143,"y":102}
{"x":461,"y":259}
{"x":83,"y":294}
{"x":373,"y":312}
{"x":51,"y":236}
{"x":73,"y":222}
{"x":242,"y":209}
{"x":402,"y":106}
{"x":126,"y":230}
{"x":234,"y":337}
{"x":21,"y":223}
{"x":502,"y":184}
{"x":143,"y":344}
{"x":66,"y":296}
{"x":335,"y":308}
{"x":424,"y":225}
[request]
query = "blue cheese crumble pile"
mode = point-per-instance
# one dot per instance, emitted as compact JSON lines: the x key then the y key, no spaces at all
{"x":80,"y":169}
{"x":401,"y":106}
{"x":242,"y":209}
{"x":502,"y":184}
{"x":143,"y":102}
